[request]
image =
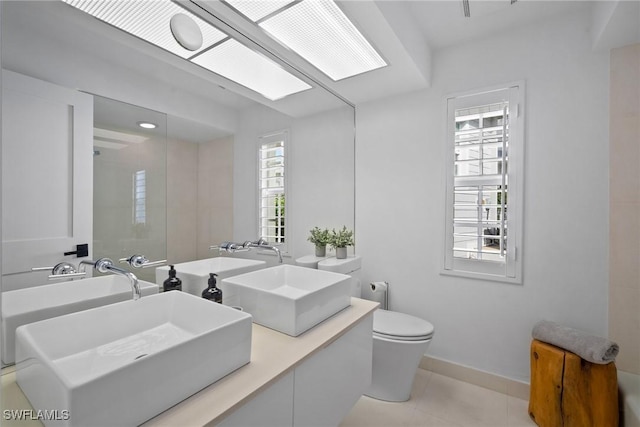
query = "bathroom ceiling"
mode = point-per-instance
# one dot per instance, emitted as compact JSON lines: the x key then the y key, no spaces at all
{"x":443,"y":22}
{"x":405,"y":33}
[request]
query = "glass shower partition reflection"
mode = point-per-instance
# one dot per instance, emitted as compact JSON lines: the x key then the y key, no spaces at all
{"x":129,"y":203}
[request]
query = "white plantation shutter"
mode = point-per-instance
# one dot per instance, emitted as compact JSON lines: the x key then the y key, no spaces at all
{"x":272,"y":162}
{"x":483,"y":227}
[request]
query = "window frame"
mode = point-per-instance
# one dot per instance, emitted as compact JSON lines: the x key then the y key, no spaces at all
{"x":280,"y":135}
{"x":509,"y":270}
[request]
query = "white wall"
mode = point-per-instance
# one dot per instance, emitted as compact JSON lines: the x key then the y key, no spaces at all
{"x":400,"y":197}
{"x":321,"y":178}
{"x":182,"y":200}
{"x":624,"y":206}
{"x":215,"y":194}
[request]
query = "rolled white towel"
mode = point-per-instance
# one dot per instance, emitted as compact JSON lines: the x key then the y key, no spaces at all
{"x":589,"y":347}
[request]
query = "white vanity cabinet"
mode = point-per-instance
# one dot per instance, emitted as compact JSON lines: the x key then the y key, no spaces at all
{"x":320,"y":391}
{"x":328,"y":384}
{"x":271,"y":408}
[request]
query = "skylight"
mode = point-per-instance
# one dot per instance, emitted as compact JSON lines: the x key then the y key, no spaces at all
{"x":318,"y":31}
{"x":150,"y":21}
{"x":257,"y":10}
{"x":237,"y":62}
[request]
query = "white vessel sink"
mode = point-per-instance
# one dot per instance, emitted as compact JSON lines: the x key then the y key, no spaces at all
{"x":29,"y":305}
{"x":124,"y":363}
{"x":195,"y":274}
{"x":288,"y":298}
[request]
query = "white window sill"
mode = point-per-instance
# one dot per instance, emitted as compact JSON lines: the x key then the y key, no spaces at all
{"x":481,"y":276}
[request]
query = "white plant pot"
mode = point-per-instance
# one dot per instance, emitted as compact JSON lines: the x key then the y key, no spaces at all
{"x":321,"y":251}
{"x":341,"y":253}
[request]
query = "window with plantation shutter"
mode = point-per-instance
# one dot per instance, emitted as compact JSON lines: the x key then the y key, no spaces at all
{"x":140,"y":197}
{"x":484,"y":184}
{"x":272,"y":162}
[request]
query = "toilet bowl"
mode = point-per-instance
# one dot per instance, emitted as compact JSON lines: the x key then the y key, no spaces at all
{"x":399,"y":340}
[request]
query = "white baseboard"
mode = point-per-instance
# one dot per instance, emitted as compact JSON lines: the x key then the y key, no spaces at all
{"x":477,"y":377}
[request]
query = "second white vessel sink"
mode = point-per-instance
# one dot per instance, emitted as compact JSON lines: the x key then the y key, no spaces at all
{"x":195,"y":274}
{"x":29,"y":305}
{"x":124,"y":363}
{"x":287,"y":298}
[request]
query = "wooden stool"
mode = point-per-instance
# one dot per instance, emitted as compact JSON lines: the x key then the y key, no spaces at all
{"x":569,"y":391}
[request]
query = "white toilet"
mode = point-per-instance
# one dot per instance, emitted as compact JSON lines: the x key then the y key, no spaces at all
{"x":399,"y":340}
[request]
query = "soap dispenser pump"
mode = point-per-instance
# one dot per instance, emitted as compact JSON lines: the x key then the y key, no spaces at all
{"x":172,"y":283}
{"x":212,"y":293}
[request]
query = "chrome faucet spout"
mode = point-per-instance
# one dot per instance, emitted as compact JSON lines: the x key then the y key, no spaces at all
{"x":261,"y":243}
{"x":105,"y":265}
{"x":277,"y":251}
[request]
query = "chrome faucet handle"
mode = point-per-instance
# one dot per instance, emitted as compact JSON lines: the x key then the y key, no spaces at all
{"x":140,"y":261}
{"x":154,"y":263}
{"x":62,"y":270}
{"x":41,"y":268}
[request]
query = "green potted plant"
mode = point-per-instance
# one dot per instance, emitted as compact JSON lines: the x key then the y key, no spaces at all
{"x":340,"y":240}
{"x":320,"y":238}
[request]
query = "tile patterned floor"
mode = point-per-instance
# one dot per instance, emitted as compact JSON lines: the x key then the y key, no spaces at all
{"x":439,"y":401}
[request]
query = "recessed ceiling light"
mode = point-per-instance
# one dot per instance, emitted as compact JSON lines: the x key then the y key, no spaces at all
{"x":147,"y":125}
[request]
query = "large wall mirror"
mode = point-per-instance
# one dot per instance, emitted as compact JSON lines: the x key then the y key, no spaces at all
{"x":169,"y":192}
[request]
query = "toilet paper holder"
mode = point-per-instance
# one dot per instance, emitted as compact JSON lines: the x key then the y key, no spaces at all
{"x":378,"y":292}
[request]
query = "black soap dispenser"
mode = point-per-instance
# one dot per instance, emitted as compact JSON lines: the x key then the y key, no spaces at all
{"x":172,"y":283}
{"x":212,"y":293}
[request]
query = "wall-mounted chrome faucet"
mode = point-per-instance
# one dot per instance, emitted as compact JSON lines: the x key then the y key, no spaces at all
{"x":62,"y":270}
{"x":105,"y":265}
{"x":140,"y":261}
{"x":261,"y":243}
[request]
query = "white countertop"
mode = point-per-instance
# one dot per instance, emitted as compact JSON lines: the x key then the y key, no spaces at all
{"x":273,"y":355}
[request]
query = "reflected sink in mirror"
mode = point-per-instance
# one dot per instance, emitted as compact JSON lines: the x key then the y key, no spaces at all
{"x":124,"y":363}
{"x":195,"y":274}
{"x":29,"y":305}
{"x":287,"y":298}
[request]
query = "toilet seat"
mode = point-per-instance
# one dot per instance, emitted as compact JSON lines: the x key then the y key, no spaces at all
{"x":392,"y":325}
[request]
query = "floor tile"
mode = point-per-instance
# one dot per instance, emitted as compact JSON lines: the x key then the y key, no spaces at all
{"x":440,"y":401}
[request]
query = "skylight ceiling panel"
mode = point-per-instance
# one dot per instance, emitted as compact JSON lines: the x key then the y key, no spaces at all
{"x":258,"y":9}
{"x":237,"y":62}
{"x":321,"y":33}
{"x":148,"y":20}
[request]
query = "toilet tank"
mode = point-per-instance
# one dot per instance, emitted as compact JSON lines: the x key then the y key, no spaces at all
{"x":309,"y":261}
{"x":350,"y":266}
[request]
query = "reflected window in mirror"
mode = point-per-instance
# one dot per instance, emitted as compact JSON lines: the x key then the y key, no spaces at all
{"x":140,"y":197}
{"x":272,"y":171}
